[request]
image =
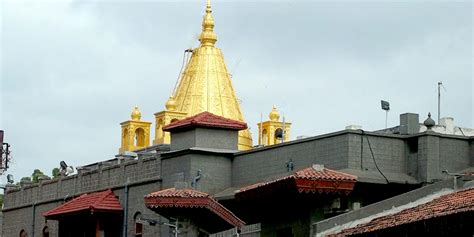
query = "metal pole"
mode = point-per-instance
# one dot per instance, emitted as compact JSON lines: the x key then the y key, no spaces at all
{"x":386,"y":118}
{"x":261,"y":129}
{"x":283,"y":132}
{"x":176,"y":228}
{"x":125,"y":214}
{"x":439,"y":100}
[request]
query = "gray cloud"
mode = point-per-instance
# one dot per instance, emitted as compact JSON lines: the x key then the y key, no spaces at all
{"x":71,"y":72}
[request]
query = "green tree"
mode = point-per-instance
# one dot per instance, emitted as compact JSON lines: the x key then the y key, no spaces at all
{"x":36,"y":175}
{"x":56,"y":173}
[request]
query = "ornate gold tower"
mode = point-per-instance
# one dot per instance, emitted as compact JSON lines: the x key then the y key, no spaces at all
{"x":205,"y":85}
{"x":271,"y":132}
{"x":135,"y":133}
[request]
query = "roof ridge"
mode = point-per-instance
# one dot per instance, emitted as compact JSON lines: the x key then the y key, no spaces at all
{"x":101,"y":198}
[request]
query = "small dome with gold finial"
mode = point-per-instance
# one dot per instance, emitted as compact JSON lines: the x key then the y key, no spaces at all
{"x":274,"y":115}
{"x":136,"y":114}
{"x":170,"y":104}
{"x":208,"y":37}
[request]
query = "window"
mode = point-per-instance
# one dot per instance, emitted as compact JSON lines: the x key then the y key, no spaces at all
{"x":138,"y":225}
{"x":23,"y":233}
{"x":139,"y":137}
{"x":45,"y":231}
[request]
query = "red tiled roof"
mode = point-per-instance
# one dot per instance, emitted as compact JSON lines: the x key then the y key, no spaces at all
{"x":206,"y":119}
{"x":189,"y":198}
{"x":95,"y":202}
{"x":457,"y":202}
{"x":326,"y":180}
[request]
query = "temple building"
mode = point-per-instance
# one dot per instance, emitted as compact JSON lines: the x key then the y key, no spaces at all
{"x":203,"y":176}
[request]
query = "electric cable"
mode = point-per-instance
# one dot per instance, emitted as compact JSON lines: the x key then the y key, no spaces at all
{"x":185,"y":61}
{"x":373,"y":157}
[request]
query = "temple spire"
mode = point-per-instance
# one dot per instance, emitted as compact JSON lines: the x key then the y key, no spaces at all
{"x":208,"y":37}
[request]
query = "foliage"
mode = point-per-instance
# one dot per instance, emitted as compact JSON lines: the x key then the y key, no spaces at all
{"x":56,"y":173}
{"x":36,"y":175}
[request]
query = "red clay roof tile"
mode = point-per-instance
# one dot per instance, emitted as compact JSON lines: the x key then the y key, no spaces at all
{"x":310,"y":173}
{"x":457,"y":202}
{"x":189,"y":198}
{"x":206,"y":119}
{"x":99,"y":201}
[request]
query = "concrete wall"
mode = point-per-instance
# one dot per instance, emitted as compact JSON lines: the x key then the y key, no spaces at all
{"x":260,"y":164}
{"x":440,"y":152}
{"x":217,"y":138}
{"x":183,"y":139}
{"x":143,"y":176}
{"x":388,"y":152}
{"x":215,"y":171}
{"x":204,"y":138}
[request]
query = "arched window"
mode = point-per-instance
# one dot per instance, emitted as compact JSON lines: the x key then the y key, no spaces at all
{"x":138,"y":225}
{"x":174,"y":120}
{"x":278,"y":135}
{"x":264,"y":137}
{"x":159,"y":130}
{"x":23,"y":233}
{"x":45,"y":231}
{"x":139,"y":137}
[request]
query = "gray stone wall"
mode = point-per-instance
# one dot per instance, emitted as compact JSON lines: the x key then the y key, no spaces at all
{"x":388,"y":152}
{"x":215,"y":171}
{"x":204,"y":138}
{"x":260,"y":164}
{"x":143,"y":176}
{"x":183,"y":139}
{"x":217,"y":138}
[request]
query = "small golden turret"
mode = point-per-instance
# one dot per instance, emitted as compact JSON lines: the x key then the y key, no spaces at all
{"x":136,"y":114}
{"x":135,"y":133}
{"x":273,"y":131}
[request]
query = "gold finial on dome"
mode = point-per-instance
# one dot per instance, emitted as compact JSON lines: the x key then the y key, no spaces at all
{"x":136,"y":114}
{"x":274,"y":115}
{"x":208,"y":37}
{"x":170,"y":104}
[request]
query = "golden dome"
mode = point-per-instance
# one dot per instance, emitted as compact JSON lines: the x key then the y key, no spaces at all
{"x":136,"y":114}
{"x":274,"y":115}
{"x":205,"y":83}
{"x":170,"y":104}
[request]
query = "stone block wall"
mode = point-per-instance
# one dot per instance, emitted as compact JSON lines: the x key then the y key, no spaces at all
{"x":254,"y":166}
{"x":143,"y":176}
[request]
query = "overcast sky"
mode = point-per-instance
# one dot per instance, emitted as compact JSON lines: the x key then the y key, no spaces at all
{"x":72,"y":71}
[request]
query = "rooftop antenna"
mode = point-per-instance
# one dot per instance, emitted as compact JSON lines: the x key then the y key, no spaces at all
{"x":386,"y":107}
{"x":440,"y":84}
{"x":283,"y":132}
{"x":261,"y":129}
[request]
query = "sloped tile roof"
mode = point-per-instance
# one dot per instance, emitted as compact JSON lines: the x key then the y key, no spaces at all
{"x":206,"y":119}
{"x":98,"y":202}
{"x":189,"y":198}
{"x":452,"y":203}
{"x":323,"y":174}
{"x":308,"y":174}
{"x":179,"y":193}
